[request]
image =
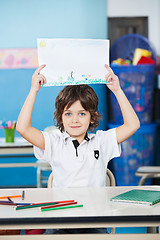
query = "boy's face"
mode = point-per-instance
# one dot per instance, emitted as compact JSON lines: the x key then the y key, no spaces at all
{"x":76,"y":121}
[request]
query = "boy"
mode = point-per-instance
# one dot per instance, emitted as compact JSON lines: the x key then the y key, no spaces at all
{"x":78,"y":159}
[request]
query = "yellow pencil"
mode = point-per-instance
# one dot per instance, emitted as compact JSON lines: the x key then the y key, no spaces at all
{"x":13,"y":125}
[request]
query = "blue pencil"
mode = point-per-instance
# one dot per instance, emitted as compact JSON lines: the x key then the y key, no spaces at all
{"x":13,"y":203}
{"x":22,"y":204}
{"x":10,"y":199}
{"x":23,"y":195}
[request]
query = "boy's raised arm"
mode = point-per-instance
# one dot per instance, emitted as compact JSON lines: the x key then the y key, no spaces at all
{"x":131,"y":121}
{"x":23,"y":125}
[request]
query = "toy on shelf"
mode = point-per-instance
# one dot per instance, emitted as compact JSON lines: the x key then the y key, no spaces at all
{"x":141,"y":56}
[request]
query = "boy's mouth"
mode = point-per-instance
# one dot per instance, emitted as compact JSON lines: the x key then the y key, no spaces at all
{"x":75,"y":126}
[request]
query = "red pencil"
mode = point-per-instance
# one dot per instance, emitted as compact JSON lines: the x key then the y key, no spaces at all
{"x":66,"y":201}
{"x":8,"y":203}
{"x":55,"y":202}
{"x":59,"y":205}
{"x":40,"y":204}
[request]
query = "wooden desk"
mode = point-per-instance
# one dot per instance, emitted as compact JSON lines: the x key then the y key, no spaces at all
{"x":98,"y":212}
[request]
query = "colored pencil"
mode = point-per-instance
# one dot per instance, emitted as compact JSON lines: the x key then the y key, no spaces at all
{"x":65,"y":201}
{"x":55,"y":202}
{"x":5,"y":202}
{"x":8,"y":203}
{"x":23,"y":195}
{"x":10,"y":199}
{"x":14,"y":196}
{"x":23,"y":204}
{"x":59,"y":205}
{"x":58,"y":208}
{"x":13,"y":124}
{"x":43,"y":204}
{"x":35,"y":205}
{"x":12,"y":203}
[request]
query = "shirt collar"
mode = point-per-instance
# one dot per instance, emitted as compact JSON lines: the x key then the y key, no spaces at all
{"x":86,"y":137}
{"x":67,"y":136}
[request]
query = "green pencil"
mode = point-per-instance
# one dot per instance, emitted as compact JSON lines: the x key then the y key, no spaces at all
{"x":35,"y":205}
{"x":58,"y":208}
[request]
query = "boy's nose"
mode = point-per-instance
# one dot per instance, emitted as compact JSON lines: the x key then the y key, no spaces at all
{"x":75,"y":118}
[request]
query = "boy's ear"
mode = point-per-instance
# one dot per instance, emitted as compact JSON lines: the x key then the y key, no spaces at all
{"x":92,"y":120}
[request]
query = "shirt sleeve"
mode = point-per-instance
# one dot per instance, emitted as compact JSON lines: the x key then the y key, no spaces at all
{"x":46,"y":154}
{"x":109,"y":144}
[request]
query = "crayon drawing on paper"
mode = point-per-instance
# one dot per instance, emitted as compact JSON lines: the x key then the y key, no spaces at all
{"x":73,"y":61}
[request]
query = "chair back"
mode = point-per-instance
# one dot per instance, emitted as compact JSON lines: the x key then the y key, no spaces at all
{"x":50,"y":180}
{"x":110,"y":179}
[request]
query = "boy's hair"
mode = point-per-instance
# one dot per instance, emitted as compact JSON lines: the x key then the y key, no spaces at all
{"x":88,"y":99}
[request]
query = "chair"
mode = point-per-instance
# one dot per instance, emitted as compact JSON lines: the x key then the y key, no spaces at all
{"x":43,"y":167}
{"x":110,"y":181}
{"x":147,"y":172}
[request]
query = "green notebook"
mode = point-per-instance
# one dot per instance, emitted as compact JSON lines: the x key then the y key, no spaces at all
{"x":138,"y":196}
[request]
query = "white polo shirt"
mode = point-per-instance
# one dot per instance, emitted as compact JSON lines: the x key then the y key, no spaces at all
{"x":82,"y":167}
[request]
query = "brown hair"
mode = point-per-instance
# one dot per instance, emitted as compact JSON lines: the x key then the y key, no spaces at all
{"x":88,"y":99}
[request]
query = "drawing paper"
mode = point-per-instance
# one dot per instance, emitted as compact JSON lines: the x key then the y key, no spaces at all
{"x":73,"y":61}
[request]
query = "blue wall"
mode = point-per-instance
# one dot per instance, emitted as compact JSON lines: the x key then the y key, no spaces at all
{"x":21,"y":23}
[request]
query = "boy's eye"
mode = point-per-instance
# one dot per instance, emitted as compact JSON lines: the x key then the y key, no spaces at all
{"x":82,"y":114}
{"x":68,"y":114}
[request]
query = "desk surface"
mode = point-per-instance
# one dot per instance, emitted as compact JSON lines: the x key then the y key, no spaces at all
{"x":97,"y":206}
{"x":18,"y":142}
{"x":19,"y":146}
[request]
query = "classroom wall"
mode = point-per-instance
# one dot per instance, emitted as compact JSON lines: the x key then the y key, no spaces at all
{"x":21,"y":23}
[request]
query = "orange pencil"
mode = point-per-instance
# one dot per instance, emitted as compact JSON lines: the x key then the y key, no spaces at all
{"x":14,"y":196}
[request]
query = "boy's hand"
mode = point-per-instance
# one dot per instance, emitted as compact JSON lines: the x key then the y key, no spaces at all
{"x":38,"y":79}
{"x":113,"y":79}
